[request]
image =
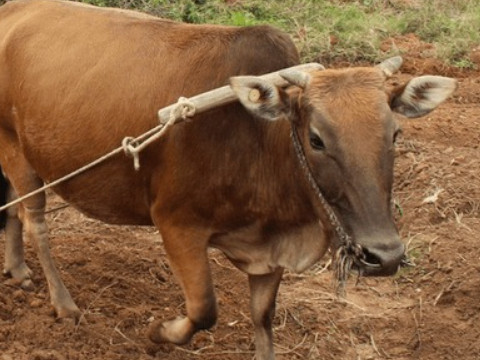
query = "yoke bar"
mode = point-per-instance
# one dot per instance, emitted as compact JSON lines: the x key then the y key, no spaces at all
{"x":225,"y":95}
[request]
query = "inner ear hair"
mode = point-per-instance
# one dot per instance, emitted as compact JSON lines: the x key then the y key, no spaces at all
{"x":395,"y":93}
{"x":292,"y":100}
{"x":421,"y":95}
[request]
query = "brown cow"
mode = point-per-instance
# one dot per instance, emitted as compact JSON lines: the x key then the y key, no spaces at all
{"x":75,"y":80}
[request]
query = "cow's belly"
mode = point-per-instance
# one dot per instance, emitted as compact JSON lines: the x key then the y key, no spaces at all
{"x":111,"y":197}
{"x":112,"y":192}
{"x":296,"y":249}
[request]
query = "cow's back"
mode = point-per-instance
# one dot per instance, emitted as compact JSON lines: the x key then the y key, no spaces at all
{"x":75,"y":80}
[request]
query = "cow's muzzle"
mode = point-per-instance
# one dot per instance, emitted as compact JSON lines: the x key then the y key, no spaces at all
{"x":382,"y":259}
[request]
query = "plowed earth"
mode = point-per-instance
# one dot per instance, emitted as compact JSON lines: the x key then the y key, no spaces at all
{"x":119,"y":276}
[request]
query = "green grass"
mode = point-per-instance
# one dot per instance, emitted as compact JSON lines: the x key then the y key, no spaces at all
{"x":329,"y":30}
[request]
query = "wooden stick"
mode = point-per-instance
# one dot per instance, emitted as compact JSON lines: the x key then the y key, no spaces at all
{"x":225,"y":95}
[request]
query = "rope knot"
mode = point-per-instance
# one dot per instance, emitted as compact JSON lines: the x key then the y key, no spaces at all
{"x":131,"y":148}
{"x":185,"y":108}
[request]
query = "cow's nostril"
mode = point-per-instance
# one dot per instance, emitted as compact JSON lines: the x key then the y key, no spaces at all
{"x":370,"y":260}
{"x":378,"y":261}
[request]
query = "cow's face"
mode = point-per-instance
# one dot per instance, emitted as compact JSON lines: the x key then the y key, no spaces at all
{"x":346,"y":124}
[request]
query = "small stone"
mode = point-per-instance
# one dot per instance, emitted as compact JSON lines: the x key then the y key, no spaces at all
{"x":36,"y":303}
{"x":19,"y":295}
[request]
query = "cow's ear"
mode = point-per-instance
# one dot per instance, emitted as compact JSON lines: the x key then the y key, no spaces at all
{"x":260,"y":97}
{"x":421,"y":95}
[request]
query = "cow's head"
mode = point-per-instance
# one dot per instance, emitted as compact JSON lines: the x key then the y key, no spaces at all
{"x":347,"y":127}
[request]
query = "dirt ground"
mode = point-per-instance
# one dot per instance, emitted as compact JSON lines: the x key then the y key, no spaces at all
{"x":120,"y":278}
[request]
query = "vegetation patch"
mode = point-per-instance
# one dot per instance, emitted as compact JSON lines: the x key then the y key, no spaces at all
{"x":340,"y":30}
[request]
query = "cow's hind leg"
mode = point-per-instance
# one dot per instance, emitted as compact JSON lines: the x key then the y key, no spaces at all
{"x":15,"y":265}
{"x":36,"y":229}
{"x":263,"y":292}
{"x":24,"y":180}
{"x":187,"y":252}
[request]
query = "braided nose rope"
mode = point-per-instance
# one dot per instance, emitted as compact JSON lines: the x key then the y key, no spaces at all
{"x":346,"y":253}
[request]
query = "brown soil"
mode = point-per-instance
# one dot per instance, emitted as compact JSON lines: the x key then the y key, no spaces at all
{"x":119,"y":276}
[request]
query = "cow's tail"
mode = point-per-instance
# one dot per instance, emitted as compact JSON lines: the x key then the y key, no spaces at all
{"x":3,"y":198}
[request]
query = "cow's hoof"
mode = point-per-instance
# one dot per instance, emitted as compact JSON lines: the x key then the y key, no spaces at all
{"x":66,"y":313}
{"x":27,"y":285}
{"x":21,"y":275}
{"x":178,"y":331}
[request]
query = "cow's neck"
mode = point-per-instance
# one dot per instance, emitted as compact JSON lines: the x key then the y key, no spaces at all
{"x":250,"y":163}
{"x":285,"y":220}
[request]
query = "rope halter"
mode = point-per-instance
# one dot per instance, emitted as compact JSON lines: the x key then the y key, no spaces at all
{"x":346,"y":252}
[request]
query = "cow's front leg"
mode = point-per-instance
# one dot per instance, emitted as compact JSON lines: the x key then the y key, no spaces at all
{"x":263,"y":292}
{"x":187,"y":253}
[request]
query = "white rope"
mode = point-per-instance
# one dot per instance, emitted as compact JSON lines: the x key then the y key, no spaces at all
{"x":130,"y":146}
{"x":133,"y":146}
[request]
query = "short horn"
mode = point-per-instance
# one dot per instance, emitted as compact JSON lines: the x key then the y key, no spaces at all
{"x":391,"y":66}
{"x":295,"y":77}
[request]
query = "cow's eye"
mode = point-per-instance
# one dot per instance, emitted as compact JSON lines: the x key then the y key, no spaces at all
{"x":316,"y":143}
